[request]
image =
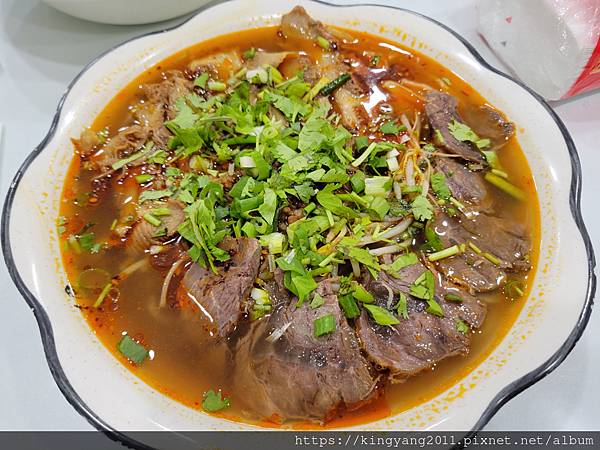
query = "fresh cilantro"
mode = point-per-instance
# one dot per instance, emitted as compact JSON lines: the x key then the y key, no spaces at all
{"x":461,"y":326}
{"x":201,"y":80}
{"x":421,"y":208}
{"x":424,"y":286}
{"x":464,"y":133}
{"x":434,"y":308}
{"x":317,"y":301}
{"x":402,"y":261}
{"x":331,"y":202}
{"x":153,"y":195}
{"x":439,"y":186}
{"x":391,"y":127}
{"x":269,"y":206}
{"x":215,"y":401}
{"x":402,"y":306}
{"x":381,"y":316}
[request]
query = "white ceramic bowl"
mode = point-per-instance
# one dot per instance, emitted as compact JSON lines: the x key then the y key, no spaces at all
{"x":126,"y":12}
{"x":550,"y":323}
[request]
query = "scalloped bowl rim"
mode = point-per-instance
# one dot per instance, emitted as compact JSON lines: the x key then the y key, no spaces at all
{"x":475,"y":403}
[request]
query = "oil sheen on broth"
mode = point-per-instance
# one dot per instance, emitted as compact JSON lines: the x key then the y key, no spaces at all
{"x":182,"y":363}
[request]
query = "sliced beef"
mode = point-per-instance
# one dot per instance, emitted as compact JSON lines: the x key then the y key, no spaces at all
{"x":221,"y":296}
{"x":220,"y":65}
{"x":124,"y":143}
{"x":144,"y":234}
{"x":423,"y":339}
{"x":490,"y":123}
{"x":165,"y":94}
{"x":441,"y":110}
{"x":87,"y":144}
{"x":298,"y":25}
{"x":262,"y":58}
{"x":467,"y":186}
{"x":349,"y":98}
{"x":503,"y":239}
{"x":300,"y":376}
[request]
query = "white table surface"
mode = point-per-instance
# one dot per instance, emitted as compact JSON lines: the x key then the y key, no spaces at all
{"x":41,"y":50}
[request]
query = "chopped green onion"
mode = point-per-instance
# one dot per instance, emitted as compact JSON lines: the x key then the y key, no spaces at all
{"x":113,"y":225}
{"x":217,"y":86}
{"x":323,"y":43}
{"x":102,"y":295}
{"x":330,"y":218}
{"x":273,"y":241}
{"x":475,"y":248}
{"x":93,"y":278}
{"x":309,"y":208}
{"x":505,"y":186}
{"x":158,"y":212}
{"x":123,"y":162}
{"x":500,"y":173}
{"x":378,"y":186}
{"x":446,"y":80}
{"x":261,"y":305}
{"x":446,"y":253}
{"x":324,"y":325}
{"x":132,"y":350}
{"x":375,"y":60}
{"x":363,"y":157}
{"x":514,"y":289}
{"x":491,"y":258}
{"x":329,"y":88}
{"x":349,"y":306}
{"x":152,"y":220}
{"x":247,"y":162}
{"x":456,"y":203}
{"x":453,"y":297}
{"x":144,"y":178}
{"x":316,"y":89}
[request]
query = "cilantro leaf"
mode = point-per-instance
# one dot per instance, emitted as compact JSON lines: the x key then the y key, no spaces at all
{"x":269,"y":206}
{"x":402,"y":261}
{"x":424,"y":286}
{"x":421,"y":208}
{"x":331,"y":202}
{"x":186,"y":117}
{"x":214,"y":401}
{"x":461,"y":326}
{"x":439,"y":186}
{"x":402,"y":306}
{"x":464,"y":133}
{"x":391,"y":127}
{"x":380,"y":315}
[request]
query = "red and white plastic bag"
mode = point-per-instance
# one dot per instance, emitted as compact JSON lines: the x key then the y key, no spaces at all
{"x":553,"y":46}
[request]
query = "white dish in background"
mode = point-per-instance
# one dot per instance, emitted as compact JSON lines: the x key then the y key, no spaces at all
{"x":549,"y":325}
{"x":126,"y":12}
